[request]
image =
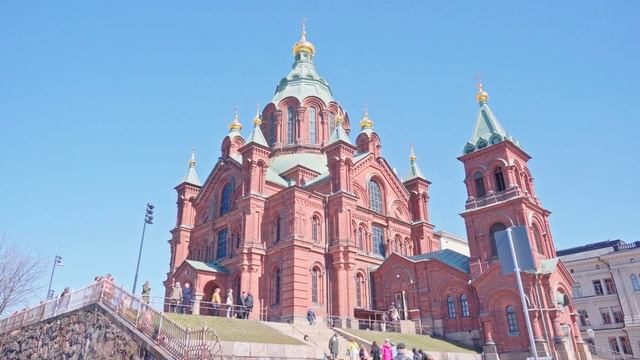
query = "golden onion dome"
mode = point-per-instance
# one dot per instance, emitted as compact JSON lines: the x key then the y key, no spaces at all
{"x":482,"y":96}
{"x":412,"y":156}
{"x":256,"y":120}
{"x":303,"y":44}
{"x":235,"y":123}
{"x":366,"y":123}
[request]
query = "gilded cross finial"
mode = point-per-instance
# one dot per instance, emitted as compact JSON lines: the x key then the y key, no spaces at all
{"x":256,"y":120}
{"x":235,"y":123}
{"x":412,"y":155}
{"x":482,"y":96}
{"x":304,"y":44}
{"x":339,"y":119}
{"x":366,"y":123}
{"x":304,"y":28}
{"x":192,"y":161}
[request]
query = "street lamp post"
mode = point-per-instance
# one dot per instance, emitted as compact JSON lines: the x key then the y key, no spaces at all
{"x":148,"y":219}
{"x":57,"y":261}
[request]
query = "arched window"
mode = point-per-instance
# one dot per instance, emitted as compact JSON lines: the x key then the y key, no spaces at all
{"x":464,"y":305}
{"x":291,"y":125}
{"x":312,"y":125}
{"x":499,"y":177}
{"x":360,"y":239}
{"x":375,"y":197}
{"x":492,"y":235}
{"x":512,"y":321}
{"x":315,"y":275}
{"x":396,"y":244}
{"x":315,"y":229}
{"x":276,"y":286}
{"x":359,"y":284}
{"x":272,"y":129}
{"x":479,"y":184}
{"x":332,"y":122}
{"x":451,"y":307}
{"x":635,"y":283}
{"x":222,"y":244}
{"x":225,"y":198}
{"x":276,"y":230}
{"x":378,"y":240}
{"x":537,"y":238}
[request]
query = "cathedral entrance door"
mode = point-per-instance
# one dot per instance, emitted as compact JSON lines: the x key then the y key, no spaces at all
{"x":401,"y":304}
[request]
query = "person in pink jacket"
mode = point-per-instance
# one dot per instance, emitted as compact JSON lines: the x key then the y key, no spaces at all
{"x":387,"y":353}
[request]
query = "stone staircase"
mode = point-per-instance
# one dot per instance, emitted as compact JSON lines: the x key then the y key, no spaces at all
{"x":318,"y":337}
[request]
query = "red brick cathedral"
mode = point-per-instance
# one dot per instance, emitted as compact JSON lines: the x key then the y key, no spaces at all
{"x":302,"y":217}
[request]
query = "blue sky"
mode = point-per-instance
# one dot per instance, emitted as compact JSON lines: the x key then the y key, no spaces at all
{"x":101,"y":103}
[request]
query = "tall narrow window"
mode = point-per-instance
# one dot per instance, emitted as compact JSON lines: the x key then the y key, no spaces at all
{"x":492,"y":234}
{"x":272,"y":129}
{"x":635,"y":282}
{"x":276,"y":230}
{"x":225,"y":198}
{"x":359,"y":239}
{"x":577,"y":290}
{"x":512,"y":321}
{"x":359,"y":282}
{"x":464,"y":305}
{"x":315,"y":229}
{"x":276,"y":286}
{"x":222,"y":244}
{"x":584,"y":317}
{"x":500,"y":185}
{"x":237,"y":240}
{"x":314,"y":285}
{"x":479,"y":184}
{"x":291,"y":125}
{"x":605,"y":315}
{"x":312,"y":126}
{"x":597,"y":288}
{"x":375,"y":197}
{"x":378,"y":240}
{"x":610,"y":286}
{"x":538,"y":238}
{"x":451,"y":307}
{"x":332,"y":122}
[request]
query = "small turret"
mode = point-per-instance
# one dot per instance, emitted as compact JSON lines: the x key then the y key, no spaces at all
{"x":191,"y":177}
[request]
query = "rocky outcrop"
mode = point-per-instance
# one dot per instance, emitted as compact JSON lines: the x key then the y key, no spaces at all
{"x":84,"y":334}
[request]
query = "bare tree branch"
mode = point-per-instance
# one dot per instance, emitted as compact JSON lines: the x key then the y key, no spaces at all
{"x":20,"y":271}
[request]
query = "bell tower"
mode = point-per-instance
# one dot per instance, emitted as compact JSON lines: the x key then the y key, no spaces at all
{"x":500,"y":191}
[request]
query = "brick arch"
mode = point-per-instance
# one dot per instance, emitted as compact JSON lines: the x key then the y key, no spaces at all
{"x":361,"y":194}
{"x":315,"y":102}
{"x":401,"y":206}
{"x":374,"y":176}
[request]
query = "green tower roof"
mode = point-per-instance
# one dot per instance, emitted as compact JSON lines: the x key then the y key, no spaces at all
{"x":191,"y":177}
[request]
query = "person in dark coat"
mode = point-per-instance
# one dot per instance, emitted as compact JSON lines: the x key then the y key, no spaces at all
{"x":334,"y":346}
{"x":311,"y":316}
{"x":375,"y":351}
{"x":248,"y":304}
{"x":242,"y":312}
{"x":187,"y":296}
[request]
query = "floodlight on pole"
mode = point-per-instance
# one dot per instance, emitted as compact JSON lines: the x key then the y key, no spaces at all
{"x":148,"y":219}
{"x":57,"y":261}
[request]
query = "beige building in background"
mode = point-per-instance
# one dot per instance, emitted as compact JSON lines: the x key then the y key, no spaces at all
{"x":453,"y":242}
{"x":607,"y":295}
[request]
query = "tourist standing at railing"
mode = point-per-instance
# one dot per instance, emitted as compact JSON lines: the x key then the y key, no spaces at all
{"x":229,"y":303}
{"x":248,"y":304}
{"x":216,"y":301}
{"x":383,"y":321}
{"x":376,"y":353}
{"x":176,"y":297}
{"x":242,"y":306}
{"x":311,"y":316}
{"x":146,"y":292}
{"x":334,"y":346}
{"x":186,"y":298}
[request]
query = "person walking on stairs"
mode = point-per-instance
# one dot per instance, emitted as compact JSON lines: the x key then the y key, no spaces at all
{"x":353,"y":350}
{"x":334,"y":346}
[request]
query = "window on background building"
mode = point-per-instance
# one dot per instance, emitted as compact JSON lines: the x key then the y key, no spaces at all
{"x":512,"y":321}
{"x":610,"y":286}
{"x":597,"y":287}
{"x":332,"y":122}
{"x":626,"y":347}
{"x":276,"y":286}
{"x":315,"y":229}
{"x":291,"y":125}
{"x":618,"y":316}
{"x":315,"y":274}
{"x":499,"y":177}
{"x":272,"y":129}
{"x":312,"y":125}
{"x":584,"y":317}
{"x":479,"y":184}
{"x":605,"y":315}
{"x":451,"y":307}
{"x":492,"y":234}
{"x":276,"y":230}
{"x":538,"y":238}
{"x":359,"y":281}
{"x":464,"y":305}
{"x":360,"y":239}
{"x":375,"y":197}
{"x":378,"y":240}
{"x":635,"y":283}
{"x":577,"y":290}
{"x":222,"y":244}
{"x":613,"y":345}
{"x":225,"y":198}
